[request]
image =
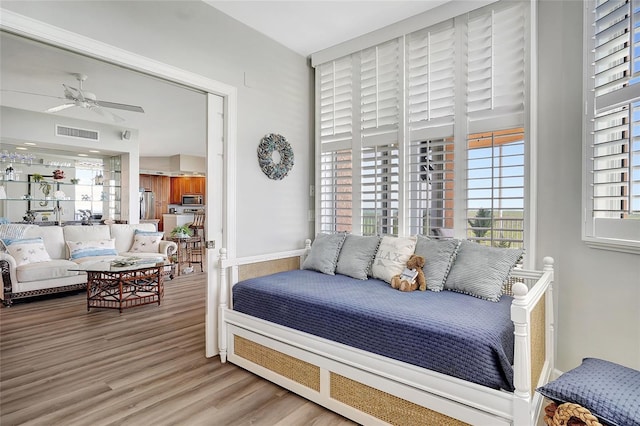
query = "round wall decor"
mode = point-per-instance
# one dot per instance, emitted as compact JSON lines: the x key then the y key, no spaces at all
{"x":268,"y":145}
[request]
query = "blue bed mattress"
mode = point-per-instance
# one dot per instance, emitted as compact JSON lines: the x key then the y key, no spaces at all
{"x":447,"y":332}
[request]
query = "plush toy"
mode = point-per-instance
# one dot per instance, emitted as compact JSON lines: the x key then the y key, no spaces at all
{"x":412,"y":278}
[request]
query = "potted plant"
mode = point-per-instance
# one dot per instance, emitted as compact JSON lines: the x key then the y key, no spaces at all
{"x":37,"y":177}
{"x":182,"y":231}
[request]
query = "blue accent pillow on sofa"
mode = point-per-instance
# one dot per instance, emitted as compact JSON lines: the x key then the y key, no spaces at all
{"x":610,"y":391}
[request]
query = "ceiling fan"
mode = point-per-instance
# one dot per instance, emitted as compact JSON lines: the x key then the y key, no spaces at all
{"x":78,"y":97}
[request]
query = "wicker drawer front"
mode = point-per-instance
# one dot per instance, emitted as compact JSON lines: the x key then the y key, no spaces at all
{"x":287,"y":366}
{"x":384,"y":406}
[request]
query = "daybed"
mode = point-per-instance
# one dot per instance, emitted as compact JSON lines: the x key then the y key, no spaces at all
{"x":303,"y":350}
{"x":52,"y":274}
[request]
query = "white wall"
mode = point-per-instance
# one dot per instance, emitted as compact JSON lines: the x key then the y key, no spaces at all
{"x":598,"y":291}
{"x":277,"y":96}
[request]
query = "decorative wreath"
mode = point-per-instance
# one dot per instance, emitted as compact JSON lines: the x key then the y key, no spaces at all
{"x":268,"y":144}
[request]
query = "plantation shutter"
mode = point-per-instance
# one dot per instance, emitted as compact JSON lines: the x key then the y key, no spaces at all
{"x":430,"y":81}
{"x":495,"y":67}
{"x":380,"y":96}
{"x":615,"y":185}
{"x":380,"y":190}
{"x":336,"y":138}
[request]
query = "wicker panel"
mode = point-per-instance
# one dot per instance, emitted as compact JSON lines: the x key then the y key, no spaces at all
{"x":384,"y":406}
{"x":292,"y":368}
{"x":538,"y":343}
{"x":269,"y":267}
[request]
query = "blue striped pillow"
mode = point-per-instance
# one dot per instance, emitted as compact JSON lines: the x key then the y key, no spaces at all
{"x":80,"y":249}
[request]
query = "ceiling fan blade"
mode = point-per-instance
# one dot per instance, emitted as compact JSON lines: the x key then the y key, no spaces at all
{"x":31,"y":93}
{"x":108,"y":114}
{"x":115,"y":105}
{"x":60,"y":107}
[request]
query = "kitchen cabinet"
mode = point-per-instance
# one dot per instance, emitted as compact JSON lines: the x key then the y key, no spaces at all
{"x":184,"y":186}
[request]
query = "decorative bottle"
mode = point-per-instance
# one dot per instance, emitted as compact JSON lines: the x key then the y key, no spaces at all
{"x":9,"y":173}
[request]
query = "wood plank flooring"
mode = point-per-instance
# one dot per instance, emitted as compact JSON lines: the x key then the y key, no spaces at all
{"x":62,"y":365}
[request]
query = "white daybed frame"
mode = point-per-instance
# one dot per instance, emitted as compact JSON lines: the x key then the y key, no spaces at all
{"x":372,"y":389}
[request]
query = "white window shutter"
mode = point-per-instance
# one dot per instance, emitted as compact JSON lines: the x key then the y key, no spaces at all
{"x":380,"y":190}
{"x":336,"y":186}
{"x":336,"y":103}
{"x":495,"y":66}
{"x":430,"y":81}
{"x":380,"y":93}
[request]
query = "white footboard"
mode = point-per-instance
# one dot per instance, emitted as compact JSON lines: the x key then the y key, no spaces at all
{"x":371,"y":389}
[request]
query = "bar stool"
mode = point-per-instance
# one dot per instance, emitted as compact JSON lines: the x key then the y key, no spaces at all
{"x":197,"y":248}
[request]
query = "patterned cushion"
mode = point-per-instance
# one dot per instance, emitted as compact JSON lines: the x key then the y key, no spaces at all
{"x":80,"y":249}
{"x":392,"y":256}
{"x":610,"y":391}
{"x":480,"y":270}
{"x":324,"y":253}
{"x":26,"y":250}
{"x":146,"y":242}
{"x":356,"y":256}
{"x":438,"y":256}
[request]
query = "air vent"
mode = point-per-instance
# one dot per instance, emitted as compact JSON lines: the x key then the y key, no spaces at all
{"x":72,"y":132}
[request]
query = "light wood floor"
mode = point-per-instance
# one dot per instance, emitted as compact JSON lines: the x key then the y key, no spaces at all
{"x":62,"y":365}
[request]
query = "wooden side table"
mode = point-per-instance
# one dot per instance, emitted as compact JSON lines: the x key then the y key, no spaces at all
{"x":185,"y":244}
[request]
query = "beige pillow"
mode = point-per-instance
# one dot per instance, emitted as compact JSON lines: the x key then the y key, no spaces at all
{"x":392,"y":256}
{"x":146,"y":242}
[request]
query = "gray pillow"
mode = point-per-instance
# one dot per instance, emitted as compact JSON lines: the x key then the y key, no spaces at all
{"x":357,"y":255}
{"x":480,"y":270}
{"x":324,"y":253}
{"x":438,"y":256}
{"x":608,"y":390}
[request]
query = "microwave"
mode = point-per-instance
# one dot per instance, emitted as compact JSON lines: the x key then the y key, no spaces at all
{"x":192,"y":200}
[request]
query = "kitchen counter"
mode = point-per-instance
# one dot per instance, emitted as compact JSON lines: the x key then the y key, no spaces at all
{"x":172,"y":220}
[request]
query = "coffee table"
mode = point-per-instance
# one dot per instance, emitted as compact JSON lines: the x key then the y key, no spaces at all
{"x":121,"y":287}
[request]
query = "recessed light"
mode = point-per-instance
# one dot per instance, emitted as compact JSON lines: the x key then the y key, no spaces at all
{"x":95,"y":151}
{"x":21,"y":148}
{"x":30,"y":143}
{"x":83,"y":155}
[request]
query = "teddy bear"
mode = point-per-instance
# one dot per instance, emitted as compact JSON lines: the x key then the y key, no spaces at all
{"x":412,"y":278}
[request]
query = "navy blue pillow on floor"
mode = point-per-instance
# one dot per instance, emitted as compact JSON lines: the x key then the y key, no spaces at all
{"x":610,"y":391}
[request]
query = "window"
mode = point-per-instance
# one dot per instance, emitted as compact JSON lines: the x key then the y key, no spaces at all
{"x":612,"y":120}
{"x":495,"y":188}
{"x":425,"y":133}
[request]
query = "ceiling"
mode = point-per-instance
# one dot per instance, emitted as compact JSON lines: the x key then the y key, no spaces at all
{"x":308,"y":26}
{"x":175,"y":116}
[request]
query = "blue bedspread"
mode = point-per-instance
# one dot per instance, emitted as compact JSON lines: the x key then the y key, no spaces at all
{"x":447,"y":332}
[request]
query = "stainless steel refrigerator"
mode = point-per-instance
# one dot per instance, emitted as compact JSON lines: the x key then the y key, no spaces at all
{"x":147,"y":204}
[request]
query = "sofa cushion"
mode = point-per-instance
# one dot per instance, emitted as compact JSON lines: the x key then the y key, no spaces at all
{"x":55,"y":268}
{"x":439,"y":256}
{"x":26,"y":250}
{"x":357,"y":255}
{"x":146,"y":242}
{"x":80,"y":249}
{"x":53,"y":237}
{"x":123,"y":234}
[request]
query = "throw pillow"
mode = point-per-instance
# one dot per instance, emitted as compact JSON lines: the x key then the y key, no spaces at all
{"x":80,"y":249}
{"x":356,"y":256}
{"x":392,"y":256}
{"x":439,"y":256}
{"x":26,"y":250}
{"x":324,"y":253}
{"x":480,"y":270}
{"x":146,"y":242}
{"x":608,"y":390}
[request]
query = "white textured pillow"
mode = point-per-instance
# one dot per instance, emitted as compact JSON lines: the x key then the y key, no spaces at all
{"x":27,"y":250}
{"x":324,"y":253}
{"x":438,"y":256}
{"x":146,"y":242}
{"x":392,"y":256}
{"x":80,"y":249}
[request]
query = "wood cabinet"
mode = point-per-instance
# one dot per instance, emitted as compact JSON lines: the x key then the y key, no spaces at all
{"x":185,"y":186}
{"x":161,"y":187}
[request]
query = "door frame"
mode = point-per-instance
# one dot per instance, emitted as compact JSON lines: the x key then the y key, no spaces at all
{"x":221,"y":152}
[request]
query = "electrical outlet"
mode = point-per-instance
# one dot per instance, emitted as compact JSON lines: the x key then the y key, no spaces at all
{"x":312,"y":190}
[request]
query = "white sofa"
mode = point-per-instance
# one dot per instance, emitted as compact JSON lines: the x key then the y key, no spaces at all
{"x":54,"y":276}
